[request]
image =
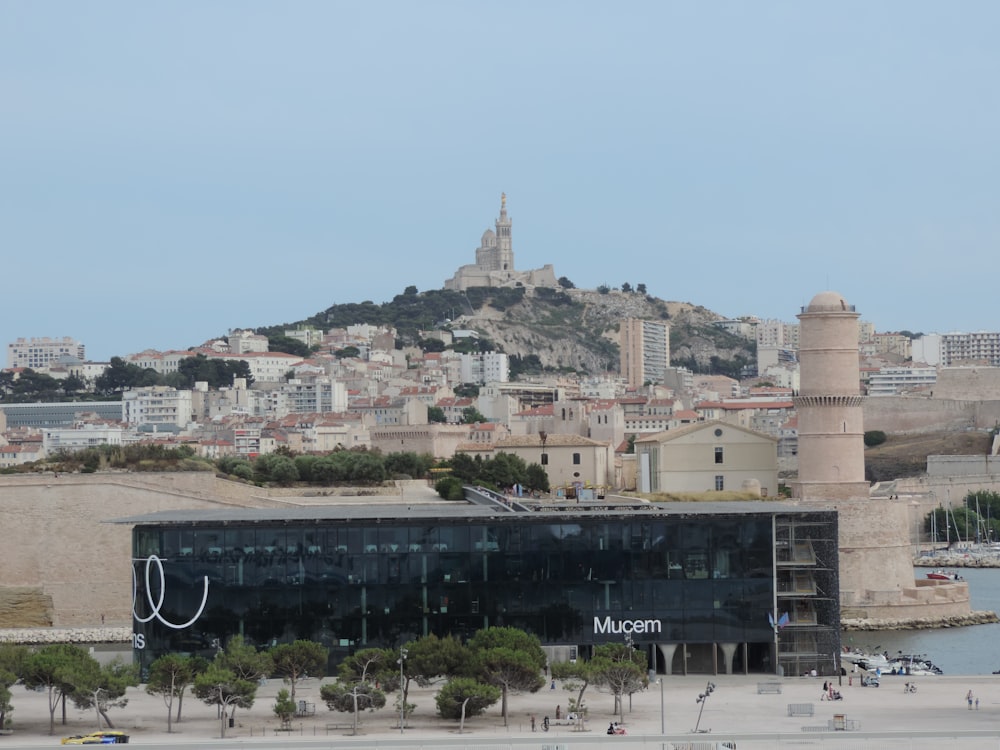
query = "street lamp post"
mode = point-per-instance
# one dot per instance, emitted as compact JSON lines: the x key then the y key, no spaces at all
{"x":402,"y":695}
{"x":702,"y":697}
{"x":629,"y":645}
{"x":663,"y":716}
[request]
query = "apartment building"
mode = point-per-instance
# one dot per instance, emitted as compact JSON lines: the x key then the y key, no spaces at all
{"x":316,"y":394}
{"x":307,"y":335}
{"x":982,"y":346}
{"x":82,"y":435}
{"x":488,"y":367}
{"x":158,"y":406}
{"x":38,"y":353}
{"x":777,"y":334}
{"x":645,"y":351}
{"x":242,"y":342}
{"x":891,"y":381}
{"x":162,"y":363}
{"x":897,"y":344}
{"x":265,"y":367}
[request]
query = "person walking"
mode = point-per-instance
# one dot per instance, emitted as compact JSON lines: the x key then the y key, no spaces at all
{"x":968,"y":698}
{"x":532,"y":722}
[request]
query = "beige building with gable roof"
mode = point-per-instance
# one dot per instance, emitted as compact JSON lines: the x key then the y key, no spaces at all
{"x":567,"y":459}
{"x":707,"y":456}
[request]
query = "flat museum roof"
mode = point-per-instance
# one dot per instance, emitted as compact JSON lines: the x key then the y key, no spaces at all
{"x":400,"y":511}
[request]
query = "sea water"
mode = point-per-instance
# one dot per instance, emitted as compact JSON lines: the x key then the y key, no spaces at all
{"x":972,"y":650}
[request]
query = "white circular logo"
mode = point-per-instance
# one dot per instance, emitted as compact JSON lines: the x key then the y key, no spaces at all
{"x":156,"y":606}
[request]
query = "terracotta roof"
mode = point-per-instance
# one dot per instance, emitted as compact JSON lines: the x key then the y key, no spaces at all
{"x":523,"y":441}
{"x":546,"y":410}
{"x":686,"y":414}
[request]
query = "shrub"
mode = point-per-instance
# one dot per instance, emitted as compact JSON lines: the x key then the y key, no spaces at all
{"x":450,"y":488}
{"x":874,"y":437}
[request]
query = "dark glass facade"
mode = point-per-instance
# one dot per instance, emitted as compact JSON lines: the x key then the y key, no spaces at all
{"x":695,"y":588}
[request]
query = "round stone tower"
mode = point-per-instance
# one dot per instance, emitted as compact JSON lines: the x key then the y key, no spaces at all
{"x":876,"y":563}
{"x":831,"y":427}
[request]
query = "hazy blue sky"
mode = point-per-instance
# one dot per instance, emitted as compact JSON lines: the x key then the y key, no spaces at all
{"x":169,"y":171}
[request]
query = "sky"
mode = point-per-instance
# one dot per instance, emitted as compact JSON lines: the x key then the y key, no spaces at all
{"x":171,"y":171}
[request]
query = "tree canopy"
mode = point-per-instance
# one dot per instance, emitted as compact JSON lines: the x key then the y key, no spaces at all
{"x":222,"y":687}
{"x":293,"y":661}
{"x":58,"y":669}
{"x":509,"y":659}
{"x":169,"y":676}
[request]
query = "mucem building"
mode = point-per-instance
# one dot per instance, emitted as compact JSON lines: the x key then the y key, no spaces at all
{"x":702,"y":588}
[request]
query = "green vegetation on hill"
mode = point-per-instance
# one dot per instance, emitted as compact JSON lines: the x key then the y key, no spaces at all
{"x":544,"y":330}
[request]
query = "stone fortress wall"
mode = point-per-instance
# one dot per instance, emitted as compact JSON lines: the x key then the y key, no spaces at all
{"x":878,"y":581}
{"x":963,"y":398}
{"x":64,"y":564}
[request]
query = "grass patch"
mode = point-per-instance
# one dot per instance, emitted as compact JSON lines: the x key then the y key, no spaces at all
{"x":697,"y":497}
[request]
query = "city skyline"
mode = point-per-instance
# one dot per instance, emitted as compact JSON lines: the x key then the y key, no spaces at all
{"x":176,"y":171}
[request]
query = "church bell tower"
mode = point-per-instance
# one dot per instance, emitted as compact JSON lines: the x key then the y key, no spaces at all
{"x":505,"y":252}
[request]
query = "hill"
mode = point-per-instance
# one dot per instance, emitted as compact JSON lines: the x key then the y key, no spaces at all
{"x":551,"y":330}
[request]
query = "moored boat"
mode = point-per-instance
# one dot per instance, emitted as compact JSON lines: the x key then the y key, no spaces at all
{"x":944,"y":575}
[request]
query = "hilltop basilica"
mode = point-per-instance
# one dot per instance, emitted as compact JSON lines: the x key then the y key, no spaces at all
{"x":494,"y":264}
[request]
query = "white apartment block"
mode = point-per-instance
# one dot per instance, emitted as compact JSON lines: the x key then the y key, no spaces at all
{"x":891,"y":381}
{"x":266,"y":367}
{"x":319,"y":395}
{"x":242,"y":342}
{"x":247,"y":441}
{"x":38,"y":353}
{"x":982,"y":346}
{"x":645,"y":351}
{"x":159,"y":406}
{"x":777,"y":334}
{"x":80,"y":436}
{"x":164,"y":363}
{"x":489,"y":367}
{"x":308,"y":336}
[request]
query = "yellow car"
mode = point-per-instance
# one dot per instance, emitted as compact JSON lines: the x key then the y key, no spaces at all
{"x":96,"y":738}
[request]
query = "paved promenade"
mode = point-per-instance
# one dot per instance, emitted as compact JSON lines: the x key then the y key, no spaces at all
{"x":885,"y":717}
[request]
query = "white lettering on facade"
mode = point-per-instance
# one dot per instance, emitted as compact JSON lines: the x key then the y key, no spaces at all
{"x":618,"y":627}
